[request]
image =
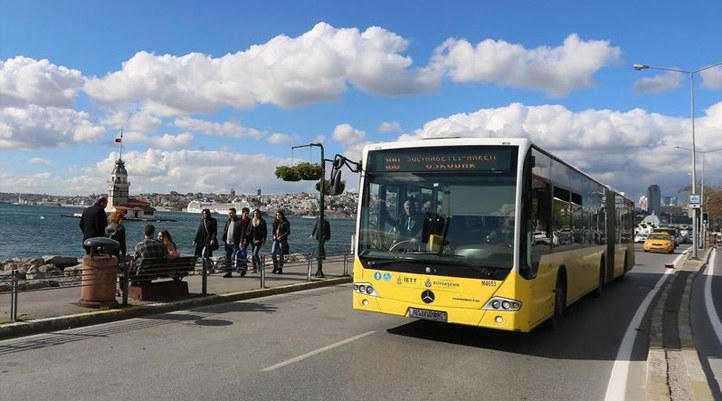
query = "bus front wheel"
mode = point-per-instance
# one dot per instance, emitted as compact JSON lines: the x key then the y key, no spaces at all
{"x":560,"y":300}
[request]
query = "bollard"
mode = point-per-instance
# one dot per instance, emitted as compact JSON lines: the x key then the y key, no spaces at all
{"x":309,"y":258}
{"x":204,"y":272}
{"x":262,"y":267}
{"x":345,"y":263}
{"x":124,"y":282}
{"x":204,"y":277}
{"x":14,"y":295}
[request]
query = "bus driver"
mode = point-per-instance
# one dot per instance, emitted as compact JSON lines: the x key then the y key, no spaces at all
{"x":410,"y":224}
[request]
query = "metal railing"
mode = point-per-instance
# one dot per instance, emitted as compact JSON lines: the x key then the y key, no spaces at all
{"x":126,"y":277}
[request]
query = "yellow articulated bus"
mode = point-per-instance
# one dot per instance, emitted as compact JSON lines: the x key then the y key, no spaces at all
{"x":494,"y":233}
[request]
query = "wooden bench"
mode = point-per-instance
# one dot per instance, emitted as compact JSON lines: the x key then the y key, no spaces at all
{"x":142,"y":278}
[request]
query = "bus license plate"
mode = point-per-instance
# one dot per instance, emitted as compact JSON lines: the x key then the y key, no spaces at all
{"x":435,"y":315}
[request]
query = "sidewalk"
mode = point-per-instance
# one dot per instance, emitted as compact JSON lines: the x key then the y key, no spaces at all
{"x":55,"y":308}
{"x":674,"y":371}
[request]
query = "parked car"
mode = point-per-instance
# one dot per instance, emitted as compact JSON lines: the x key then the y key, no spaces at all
{"x":659,"y":242}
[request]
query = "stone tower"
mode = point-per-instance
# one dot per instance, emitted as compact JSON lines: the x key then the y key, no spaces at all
{"x":118,"y":185}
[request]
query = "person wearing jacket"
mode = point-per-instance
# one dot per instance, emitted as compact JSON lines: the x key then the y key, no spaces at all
{"x":281,"y":231}
{"x":94,"y":221}
{"x":326,"y":235}
{"x":257,"y":237}
{"x":205,"y":240}
{"x":233,"y":235}
{"x":116,"y":230}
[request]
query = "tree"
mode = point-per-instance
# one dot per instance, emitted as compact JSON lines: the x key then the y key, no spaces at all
{"x":713,"y":203}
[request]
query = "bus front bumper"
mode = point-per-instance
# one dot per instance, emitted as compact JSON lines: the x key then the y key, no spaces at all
{"x":494,"y":319}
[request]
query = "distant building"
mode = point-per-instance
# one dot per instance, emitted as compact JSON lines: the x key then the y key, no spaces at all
{"x":654,"y":200}
{"x":670,"y":201}
{"x":233,"y":193}
{"x":118,"y":195}
{"x":643,"y":202}
{"x":258,"y":193}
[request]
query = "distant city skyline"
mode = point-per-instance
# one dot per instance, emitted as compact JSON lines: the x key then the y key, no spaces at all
{"x":212,"y":96}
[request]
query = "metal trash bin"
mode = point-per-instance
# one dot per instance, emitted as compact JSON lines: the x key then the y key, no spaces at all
{"x":99,"y":274}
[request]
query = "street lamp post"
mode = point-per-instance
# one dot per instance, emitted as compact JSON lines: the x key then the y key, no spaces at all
{"x":321,"y":186}
{"x":702,"y":202}
{"x":639,"y":67}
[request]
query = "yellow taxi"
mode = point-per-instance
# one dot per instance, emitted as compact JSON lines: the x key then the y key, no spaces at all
{"x":659,"y":242}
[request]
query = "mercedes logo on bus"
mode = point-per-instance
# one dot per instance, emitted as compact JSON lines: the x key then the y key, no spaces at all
{"x":427,"y":296}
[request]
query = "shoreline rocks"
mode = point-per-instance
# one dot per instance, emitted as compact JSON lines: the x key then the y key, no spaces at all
{"x":38,"y":268}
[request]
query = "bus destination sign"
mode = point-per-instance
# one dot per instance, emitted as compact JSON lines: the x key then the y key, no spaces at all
{"x":442,"y":159}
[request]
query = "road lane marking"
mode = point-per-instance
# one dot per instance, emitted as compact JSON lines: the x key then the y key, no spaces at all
{"x":316,"y":352}
{"x":617,"y":386}
{"x":711,"y":311}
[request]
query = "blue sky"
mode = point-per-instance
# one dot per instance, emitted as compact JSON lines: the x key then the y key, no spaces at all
{"x":213,"y":94}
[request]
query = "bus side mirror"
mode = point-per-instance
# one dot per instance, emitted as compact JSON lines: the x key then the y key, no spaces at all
{"x":335,"y":177}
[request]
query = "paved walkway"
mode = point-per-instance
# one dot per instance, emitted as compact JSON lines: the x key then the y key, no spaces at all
{"x":53,"y":302}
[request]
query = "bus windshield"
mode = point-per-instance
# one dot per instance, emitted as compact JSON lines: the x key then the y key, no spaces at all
{"x":462,"y":224}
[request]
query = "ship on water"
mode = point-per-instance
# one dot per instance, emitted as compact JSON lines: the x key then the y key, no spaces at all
{"x":217,"y":207}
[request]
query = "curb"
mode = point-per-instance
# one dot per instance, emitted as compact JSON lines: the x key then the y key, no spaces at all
{"x":676,"y":372}
{"x":38,"y":326}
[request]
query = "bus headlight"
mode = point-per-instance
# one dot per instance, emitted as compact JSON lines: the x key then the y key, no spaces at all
{"x":365,"y":289}
{"x":499,"y":303}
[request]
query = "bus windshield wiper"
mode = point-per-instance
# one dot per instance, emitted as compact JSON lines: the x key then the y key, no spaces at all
{"x":386,"y":262}
{"x":457,"y":261}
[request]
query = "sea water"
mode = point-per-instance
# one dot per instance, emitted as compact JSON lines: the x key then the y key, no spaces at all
{"x":34,"y":231}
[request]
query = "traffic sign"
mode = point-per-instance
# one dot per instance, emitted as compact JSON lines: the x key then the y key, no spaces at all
{"x":694,"y":199}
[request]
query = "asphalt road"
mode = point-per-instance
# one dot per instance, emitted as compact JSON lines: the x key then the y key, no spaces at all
{"x":313,"y":346}
{"x":706,"y":316}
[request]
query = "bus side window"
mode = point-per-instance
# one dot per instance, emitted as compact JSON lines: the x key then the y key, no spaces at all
{"x":541,"y":240}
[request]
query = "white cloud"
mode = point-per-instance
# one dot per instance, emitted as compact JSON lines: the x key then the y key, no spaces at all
{"x":276,"y":139}
{"x":557,"y":71}
{"x":284,"y":71}
{"x":226,"y":129}
{"x":624,"y":149}
{"x":390,"y":126}
{"x":25,"y":183}
{"x":319,"y":139}
{"x":712,"y":78}
{"x":39,"y":160}
{"x":353,"y":140}
{"x":144,"y":122}
{"x":166,"y":141}
{"x":347,"y":135}
{"x":25,"y":81}
{"x":659,"y":83}
{"x":35,"y":127}
{"x":197,"y":170}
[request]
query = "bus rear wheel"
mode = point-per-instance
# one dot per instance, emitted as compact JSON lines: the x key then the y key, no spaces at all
{"x":625,"y":270}
{"x":560,"y":301}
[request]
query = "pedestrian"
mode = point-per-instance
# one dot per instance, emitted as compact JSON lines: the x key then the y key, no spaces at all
{"x":93,"y":221}
{"x":242,"y":256}
{"x":169,"y":244}
{"x":115,"y":230}
{"x":205,"y":241}
{"x":281,"y":231}
{"x":232,"y":234}
{"x":257,"y":237}
{"x":148,"y":248}
{"x":326,"y":235}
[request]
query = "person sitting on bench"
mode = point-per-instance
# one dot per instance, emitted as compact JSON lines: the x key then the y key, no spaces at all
{"x":149,"y":247}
